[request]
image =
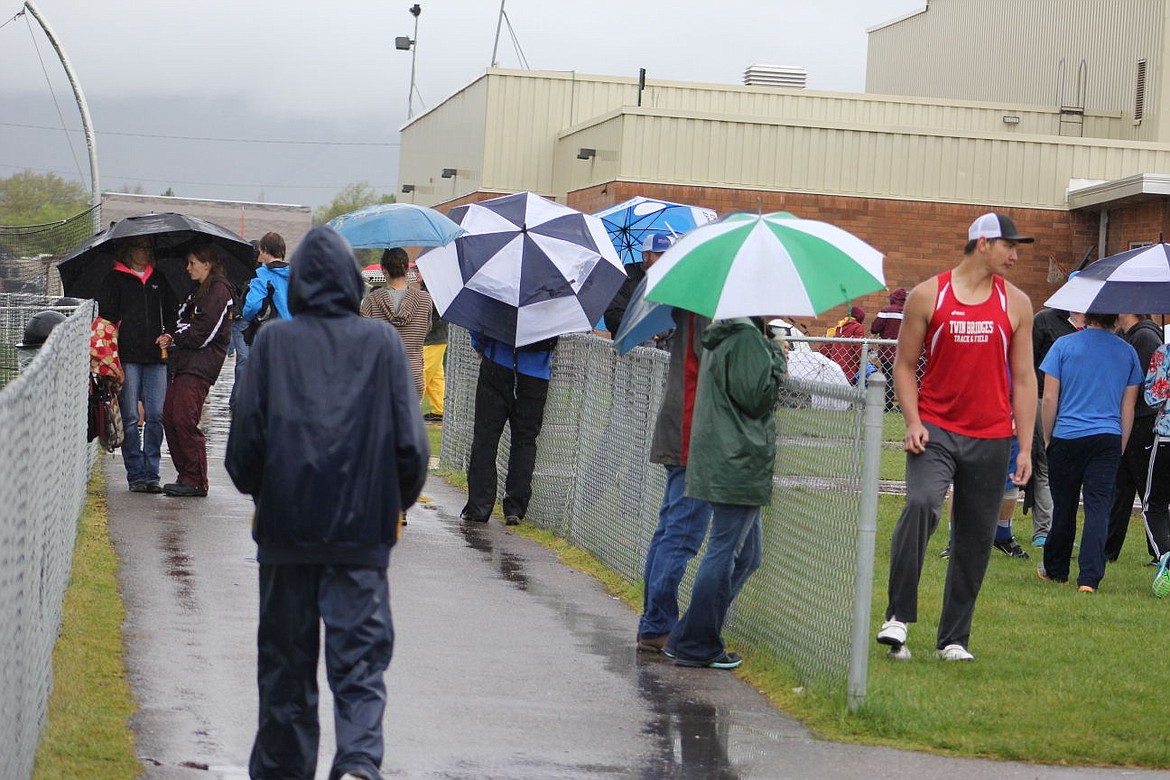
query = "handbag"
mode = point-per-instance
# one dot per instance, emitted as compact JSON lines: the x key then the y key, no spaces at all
{"x":267,"y":312}
{"x":105,"y":414}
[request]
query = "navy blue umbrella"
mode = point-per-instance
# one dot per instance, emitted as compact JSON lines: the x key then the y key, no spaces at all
{"x":527,"y":269}
{"x":1133,"y":282}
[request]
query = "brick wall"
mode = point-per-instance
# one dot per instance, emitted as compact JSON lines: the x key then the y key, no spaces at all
{"x":919,"y":239}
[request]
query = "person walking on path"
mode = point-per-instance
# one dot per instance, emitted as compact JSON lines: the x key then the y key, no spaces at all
{"x":886,"y":324}
{"x":434,"y":356}
{"x":959,"y":426}
{"x":238,"y":346}
{"x":682,"y":520}
{"x":732,"y":455}
{"x":198,"y":347}
{"x":326,"y":515}
{"x":1047,"y":326}
{"x":406,"y":308}
{"x":137,"y":298}
{"x":1144,"y":335}
{"x":1091,"y":381}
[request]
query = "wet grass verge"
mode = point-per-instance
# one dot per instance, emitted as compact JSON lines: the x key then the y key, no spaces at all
{"x":88,"y":731}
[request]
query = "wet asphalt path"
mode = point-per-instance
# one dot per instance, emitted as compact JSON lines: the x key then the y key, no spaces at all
{"x":507,"y":664}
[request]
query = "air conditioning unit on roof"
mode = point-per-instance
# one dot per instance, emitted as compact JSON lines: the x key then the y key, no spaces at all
{"x":786,"y":76}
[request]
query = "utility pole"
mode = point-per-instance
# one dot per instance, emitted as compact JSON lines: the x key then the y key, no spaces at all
{"x":402,"y":43}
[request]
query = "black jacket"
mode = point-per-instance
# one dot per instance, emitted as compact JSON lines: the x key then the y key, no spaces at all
{"x":1047,"y":326}
{"x":327,"y":434}
{"x":635,"y":272}
{"x":1145,"y":337}
{"x":142,"y":310}
{"x":203,"y":331}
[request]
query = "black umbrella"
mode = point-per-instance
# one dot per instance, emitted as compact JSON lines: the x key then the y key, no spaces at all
{"x":84,"y":268}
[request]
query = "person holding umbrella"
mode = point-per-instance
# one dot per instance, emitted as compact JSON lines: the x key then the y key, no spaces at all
{"x":732,"y":454}
{"x":136,"y":297}
{"x":199,"y":344}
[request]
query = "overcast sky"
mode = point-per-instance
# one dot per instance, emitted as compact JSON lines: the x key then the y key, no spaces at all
{"x":287,"y":101}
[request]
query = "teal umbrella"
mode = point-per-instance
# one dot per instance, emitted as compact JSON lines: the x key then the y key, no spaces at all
{"x":386,"y":225}
{"x":764,"y":264}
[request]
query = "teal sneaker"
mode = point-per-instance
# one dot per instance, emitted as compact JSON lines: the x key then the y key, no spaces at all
{"x":1161,"y":585}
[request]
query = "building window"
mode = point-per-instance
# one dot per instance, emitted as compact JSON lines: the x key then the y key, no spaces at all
{"x":1140,"y":244}
{"x":1139,"y":101}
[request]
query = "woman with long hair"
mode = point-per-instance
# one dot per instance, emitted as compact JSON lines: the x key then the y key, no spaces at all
{"x":198,"y":347}
{"x":406,"y":308}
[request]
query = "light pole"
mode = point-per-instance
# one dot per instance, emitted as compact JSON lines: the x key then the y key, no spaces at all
{"x":402,"y":43}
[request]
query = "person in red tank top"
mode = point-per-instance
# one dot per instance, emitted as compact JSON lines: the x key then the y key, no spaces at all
{"x":975,"y":329}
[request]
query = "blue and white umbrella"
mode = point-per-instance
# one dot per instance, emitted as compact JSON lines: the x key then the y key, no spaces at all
{"x":386,"y":225}
{"x":1133,"y":282}
{"x":628,"y":222}
{"x":526,"y":269}
{"x":642,"y":321}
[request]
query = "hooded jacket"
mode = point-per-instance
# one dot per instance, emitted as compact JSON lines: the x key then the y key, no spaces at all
{"x":887,"y":323}
{"x":143,"y":309}
{"x":327,"y":434}
{"x":733,"y":449}
{"x":672,"y":427}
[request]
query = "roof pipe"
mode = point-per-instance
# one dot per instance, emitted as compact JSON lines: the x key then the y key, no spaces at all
{"x":83,"y":107}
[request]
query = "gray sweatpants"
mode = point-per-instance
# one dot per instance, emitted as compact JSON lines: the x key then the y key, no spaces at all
{"x":977,"y":468}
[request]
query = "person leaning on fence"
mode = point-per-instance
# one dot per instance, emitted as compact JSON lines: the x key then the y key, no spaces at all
{"x":886,"y":324}
{"x":959,"y":426}
{"x":326,"y":515}
{"x":197,"y":347}
{"x":732,"y":455}
{"x":512,"y":388}
{"x":682,"y":520}
{"x":137,"y":298}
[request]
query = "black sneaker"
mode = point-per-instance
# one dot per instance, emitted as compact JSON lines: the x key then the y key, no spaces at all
{"x":182,"y":490}
{"x":512,"y":520}
{"x":1010,"y":548}
{"x":724,"y":660}
{"x":139,"y":487}
{"x":432,"y":417}
{"x":153,"y":487}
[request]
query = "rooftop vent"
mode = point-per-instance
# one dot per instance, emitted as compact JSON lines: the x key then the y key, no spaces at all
{"x":786,"y":76}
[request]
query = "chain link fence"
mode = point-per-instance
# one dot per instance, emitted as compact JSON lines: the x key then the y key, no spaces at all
{"x":16,"y":309}
{"x":45,"y":463}
{"x":809,"y":603}
{"x":29,"y":253}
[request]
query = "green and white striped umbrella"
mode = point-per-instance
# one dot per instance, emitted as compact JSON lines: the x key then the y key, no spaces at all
{"x":749,"y":264}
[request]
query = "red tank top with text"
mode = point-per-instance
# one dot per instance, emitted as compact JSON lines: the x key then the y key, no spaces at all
{"x":965,"y":387}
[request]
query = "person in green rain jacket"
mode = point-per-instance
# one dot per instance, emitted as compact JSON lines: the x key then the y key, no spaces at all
{"x":732,"y":454}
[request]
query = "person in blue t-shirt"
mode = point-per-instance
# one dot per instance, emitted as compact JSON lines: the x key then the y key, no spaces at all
{"x":1091,"y":380}
{"x":512,"y":388}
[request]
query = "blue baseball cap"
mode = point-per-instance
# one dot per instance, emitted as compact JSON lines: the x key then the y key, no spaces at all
{"x":656,"y":242}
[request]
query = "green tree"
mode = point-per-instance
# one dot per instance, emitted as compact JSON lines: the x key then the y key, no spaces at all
{"x":351,"y":198}
{"x":28,"y":198}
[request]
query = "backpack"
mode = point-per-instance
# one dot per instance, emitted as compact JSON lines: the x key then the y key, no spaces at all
{"x":267,"y":312}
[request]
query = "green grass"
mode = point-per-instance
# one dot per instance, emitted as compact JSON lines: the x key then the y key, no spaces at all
{"x":88,"y":733}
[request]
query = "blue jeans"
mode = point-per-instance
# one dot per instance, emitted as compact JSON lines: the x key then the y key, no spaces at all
{"x":242,"y":351}
{"x":1081,"y":469}
{"x":682,"y":524}
{"x":145,"y":382}
{"x":734,"y":551}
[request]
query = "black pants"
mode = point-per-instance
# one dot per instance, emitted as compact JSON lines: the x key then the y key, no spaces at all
{"x":1131,"y":482}
{"x":354,"y":604}
{"x":502,"y":396}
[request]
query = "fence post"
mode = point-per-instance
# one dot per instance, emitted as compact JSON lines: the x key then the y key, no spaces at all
{"x":875,"y":404}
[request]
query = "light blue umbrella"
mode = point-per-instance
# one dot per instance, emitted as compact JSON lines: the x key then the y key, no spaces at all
{"x":386,"y":225}
{"x":642,"y":321}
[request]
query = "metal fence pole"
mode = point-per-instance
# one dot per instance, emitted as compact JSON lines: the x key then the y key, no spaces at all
{"x":875,"y":401}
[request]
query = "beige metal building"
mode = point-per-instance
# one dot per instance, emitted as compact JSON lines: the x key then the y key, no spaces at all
{"x":906,"y":173}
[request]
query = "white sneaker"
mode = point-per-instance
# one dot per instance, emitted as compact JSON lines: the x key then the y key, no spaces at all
{"x":893,"y":633}
{"x":900,"y":653}
{"x":955,"y":653}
